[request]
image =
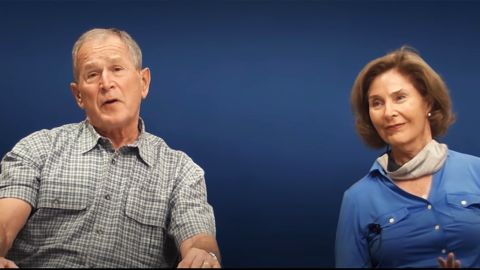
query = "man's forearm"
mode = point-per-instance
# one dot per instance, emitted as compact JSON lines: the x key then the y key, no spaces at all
{"x":204,"y":241}
{"x":3,"y":241}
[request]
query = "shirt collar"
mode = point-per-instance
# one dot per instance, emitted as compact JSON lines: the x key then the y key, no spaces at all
{"x":145,"y":150}
{"x":377,"y":168}
{"x":89,"y":139}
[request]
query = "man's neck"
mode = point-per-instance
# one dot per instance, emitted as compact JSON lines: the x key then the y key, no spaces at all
{"x":121,"y":136}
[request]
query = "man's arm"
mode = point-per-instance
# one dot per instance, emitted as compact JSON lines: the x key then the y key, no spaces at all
{"x":13,"y":216}
{"x":200,"y":251}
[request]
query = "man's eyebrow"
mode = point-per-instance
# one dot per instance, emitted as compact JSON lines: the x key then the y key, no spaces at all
{"x":111,"y":59}
{"x":89,"y":65}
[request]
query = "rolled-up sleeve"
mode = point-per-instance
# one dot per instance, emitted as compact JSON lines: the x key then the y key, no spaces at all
{"x":20,"y":169}
{"x":191,"y":212}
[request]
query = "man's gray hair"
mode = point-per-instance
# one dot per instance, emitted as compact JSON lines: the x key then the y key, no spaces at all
{"x":133,"y":47}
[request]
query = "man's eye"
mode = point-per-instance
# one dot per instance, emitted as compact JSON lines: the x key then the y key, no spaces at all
{"x":91,"y":75}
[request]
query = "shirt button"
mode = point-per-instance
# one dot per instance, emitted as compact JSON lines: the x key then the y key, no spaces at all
{"x":99,"y":231}
{"x":429,"y":206}
{"x":444,"y":251}
{"x":391,"y":220}
{"x":113,"y":161}
{"x":463,"y":202}
{"x":107,"y":197}
{"x":437,"y":227}
{"x":56,"y":201}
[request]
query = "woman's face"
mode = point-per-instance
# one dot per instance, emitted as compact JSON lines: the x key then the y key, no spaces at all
{"x":398,"y":112}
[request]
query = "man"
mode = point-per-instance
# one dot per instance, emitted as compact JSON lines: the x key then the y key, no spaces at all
{"x":104,"y":192}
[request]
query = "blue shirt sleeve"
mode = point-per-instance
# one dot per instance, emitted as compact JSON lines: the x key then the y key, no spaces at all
{"x":351,"y":247}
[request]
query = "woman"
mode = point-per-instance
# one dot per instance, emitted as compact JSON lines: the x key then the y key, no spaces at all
{"x":419,"y":204}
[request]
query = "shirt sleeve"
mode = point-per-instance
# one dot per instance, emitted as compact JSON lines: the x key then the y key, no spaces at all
{"x":191,"y":213}
{"x":20,"y":169}
{"x":351,"y":247}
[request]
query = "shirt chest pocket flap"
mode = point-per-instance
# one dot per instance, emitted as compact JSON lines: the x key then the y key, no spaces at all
{"x":389,"y":222}
{"x":62,"y":199}
{"x":466,"y":206}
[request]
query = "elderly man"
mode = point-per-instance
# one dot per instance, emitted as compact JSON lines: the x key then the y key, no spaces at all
{"x":104,"y":192}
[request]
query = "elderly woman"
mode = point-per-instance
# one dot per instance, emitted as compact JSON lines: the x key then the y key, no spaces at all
{"x":419,"y":204}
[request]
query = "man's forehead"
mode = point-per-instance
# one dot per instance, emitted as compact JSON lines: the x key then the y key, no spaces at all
{"x":102,"y":42}
{"x":94,"y":51}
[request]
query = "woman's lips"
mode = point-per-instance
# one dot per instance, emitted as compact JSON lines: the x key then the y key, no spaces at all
{"x":392,"y":128}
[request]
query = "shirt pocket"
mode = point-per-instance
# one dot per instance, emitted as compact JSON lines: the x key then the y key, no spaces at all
{"x":147,"y":223}
{"x":386,"y":234}
{"x":59,"y":206}
{"x":464,"y":207}
{"x":146,"y":207}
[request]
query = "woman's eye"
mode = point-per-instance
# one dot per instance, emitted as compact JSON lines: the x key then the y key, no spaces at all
{"x":375,"y":103}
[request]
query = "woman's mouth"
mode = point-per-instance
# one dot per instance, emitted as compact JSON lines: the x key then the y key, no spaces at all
{"x":393,"y":128}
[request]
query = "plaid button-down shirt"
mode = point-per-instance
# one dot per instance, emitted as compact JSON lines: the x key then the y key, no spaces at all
{"x":94,"y":206}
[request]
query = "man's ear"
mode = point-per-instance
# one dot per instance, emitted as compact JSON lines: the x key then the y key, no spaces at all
{"x":76,"y":94}
{"x":145,"y":73}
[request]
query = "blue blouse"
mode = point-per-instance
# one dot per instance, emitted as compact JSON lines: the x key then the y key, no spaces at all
{"x":381,"y":225}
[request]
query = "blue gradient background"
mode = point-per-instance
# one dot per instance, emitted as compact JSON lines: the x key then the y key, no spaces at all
{"x":256,"y":92}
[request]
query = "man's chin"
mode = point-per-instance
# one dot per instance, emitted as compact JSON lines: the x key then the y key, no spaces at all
{"x":110,"y":122}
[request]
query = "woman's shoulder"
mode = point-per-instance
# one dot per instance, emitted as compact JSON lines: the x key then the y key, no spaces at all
{"x":368,"y":184}
{"x":459,"y":157}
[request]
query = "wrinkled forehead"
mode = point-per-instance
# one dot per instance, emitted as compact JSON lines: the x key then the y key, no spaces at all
{"x":105,"y":47}
{"x":101,"y":41}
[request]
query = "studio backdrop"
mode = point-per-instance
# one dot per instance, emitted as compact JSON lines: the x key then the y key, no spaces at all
{"x":256,"y":92}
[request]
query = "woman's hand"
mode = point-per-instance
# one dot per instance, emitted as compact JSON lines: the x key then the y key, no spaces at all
{"x":450,"y":262}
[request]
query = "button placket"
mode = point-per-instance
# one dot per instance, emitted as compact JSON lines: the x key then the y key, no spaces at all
{"x":115,"y":157}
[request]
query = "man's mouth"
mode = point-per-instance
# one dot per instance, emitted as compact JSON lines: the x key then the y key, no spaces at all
{"x":110,"y":101}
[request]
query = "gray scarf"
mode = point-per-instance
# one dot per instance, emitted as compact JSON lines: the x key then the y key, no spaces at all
{"x":427,"y":161}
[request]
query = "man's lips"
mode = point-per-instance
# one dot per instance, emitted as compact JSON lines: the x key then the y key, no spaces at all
{"x":110,"y":101}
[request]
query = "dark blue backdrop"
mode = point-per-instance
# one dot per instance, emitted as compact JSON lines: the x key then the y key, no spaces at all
{"x":256,"y":92}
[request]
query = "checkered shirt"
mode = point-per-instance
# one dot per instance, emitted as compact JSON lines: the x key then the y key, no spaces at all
{"x":94,"y":206}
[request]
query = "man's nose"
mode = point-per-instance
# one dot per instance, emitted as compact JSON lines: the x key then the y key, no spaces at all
{"x":106,"y":81}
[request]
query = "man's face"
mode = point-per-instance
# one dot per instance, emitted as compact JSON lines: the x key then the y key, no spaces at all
{"x":109,"y":86}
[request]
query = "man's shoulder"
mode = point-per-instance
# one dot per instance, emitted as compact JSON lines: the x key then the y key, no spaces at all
{"x":48,"y":134}
{"x":161,"y":147}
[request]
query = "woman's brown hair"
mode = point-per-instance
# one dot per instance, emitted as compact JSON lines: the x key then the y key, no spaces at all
{"x":430,"y":85}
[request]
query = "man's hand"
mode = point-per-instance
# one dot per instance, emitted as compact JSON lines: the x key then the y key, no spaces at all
{"x":4,"y":263}
{"x":450,"y":262}
{"x":199,"y":258}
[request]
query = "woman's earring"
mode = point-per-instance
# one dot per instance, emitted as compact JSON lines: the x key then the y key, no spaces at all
{"x":429,"y":114}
